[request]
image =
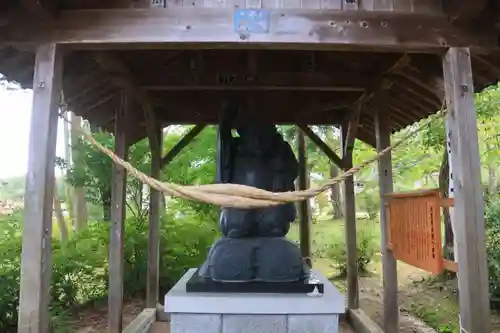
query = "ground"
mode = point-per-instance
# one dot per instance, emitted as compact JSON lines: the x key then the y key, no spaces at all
{"x":424,"y":300}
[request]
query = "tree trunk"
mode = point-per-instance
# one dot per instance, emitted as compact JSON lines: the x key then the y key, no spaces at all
{"x":335,"y":196}
{"x":492,"y":183}
{"x":444,"y":180}
{"x":63,"y":228}
{"x":106,"y":206}
{"x":79,"y":205}
{"x":312,"y":200}
{"x":491,"y":176}
{"x":67,"y":186}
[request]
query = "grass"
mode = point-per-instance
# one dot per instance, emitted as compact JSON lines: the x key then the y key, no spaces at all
{"x":433,"y":300}
{"x":328,"y":232}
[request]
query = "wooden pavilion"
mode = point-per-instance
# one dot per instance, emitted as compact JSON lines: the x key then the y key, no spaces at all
{"x":370,"y":67}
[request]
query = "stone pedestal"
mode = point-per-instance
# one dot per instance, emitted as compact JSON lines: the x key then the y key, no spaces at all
{"x":253,"y":313}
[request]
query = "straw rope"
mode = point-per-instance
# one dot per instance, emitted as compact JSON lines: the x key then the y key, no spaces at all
{"x":242,"y":196}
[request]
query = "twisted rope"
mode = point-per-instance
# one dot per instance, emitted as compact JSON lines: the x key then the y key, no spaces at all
{"x":242,"y":196}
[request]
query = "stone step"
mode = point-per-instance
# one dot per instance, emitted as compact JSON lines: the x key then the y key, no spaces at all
{"x":159,"y":327}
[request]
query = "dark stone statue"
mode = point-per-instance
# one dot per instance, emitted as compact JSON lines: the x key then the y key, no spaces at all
{"x":254,"y":246}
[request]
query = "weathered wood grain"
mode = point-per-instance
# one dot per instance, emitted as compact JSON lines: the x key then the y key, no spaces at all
{"x":116,"y":230}
{"x":389,"y":264}
{"x":350,"y":219}
{"x":153,"y":276}
{"x":304,"y":210}
{"x":36,"y":255}
{"x":214,"y":28}
{"x":468,"y":193}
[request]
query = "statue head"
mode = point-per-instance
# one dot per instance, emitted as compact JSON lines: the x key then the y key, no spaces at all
{"x":257,"y":137}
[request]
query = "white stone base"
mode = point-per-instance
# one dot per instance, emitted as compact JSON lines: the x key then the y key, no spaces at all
{"x":253,"y":313}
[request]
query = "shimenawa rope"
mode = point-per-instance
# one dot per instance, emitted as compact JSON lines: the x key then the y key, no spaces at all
{"x":242,"y":196}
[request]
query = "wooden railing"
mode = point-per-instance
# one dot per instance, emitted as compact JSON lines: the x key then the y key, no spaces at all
{"x":142,"y":323}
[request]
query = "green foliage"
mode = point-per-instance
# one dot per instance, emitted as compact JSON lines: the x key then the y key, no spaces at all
{"x":10,"y":260}
{"x":195,"y":165}
{"x":80,"y":267}
{"x":434,"y":318}
{"x":93,"y":170}
{"x":368,"y":200}
{"x":492,"y":219}
{"x":336,"y":251}
{"x":12,"y":188}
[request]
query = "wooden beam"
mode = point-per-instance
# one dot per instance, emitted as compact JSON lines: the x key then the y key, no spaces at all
{"x":389,"y":264}
{"x":209,"y":28}
{"x":383,"y":82}
{"x":350,"y":225}
{"x":44,"y":9}
{"x":304,"y":210}
{"x":213,"y":77}
{"x":254,"y":88}
{"x":469,"y":203}
{"x":462,"y":10}
{"x":430,"y":83}
{"x":122,"y":78}
{"x":116,"y":230}
{"x":143,"y":322}
{"x":352,"y":131}
{"x":492,"y":67}
{"x":334,"y":158}
{"x":153,"y":282}
{"x":36,"y":265}
{"x":186,"y":139}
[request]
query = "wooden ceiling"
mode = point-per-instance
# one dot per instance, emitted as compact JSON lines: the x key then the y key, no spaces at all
{"x":188,"y":86}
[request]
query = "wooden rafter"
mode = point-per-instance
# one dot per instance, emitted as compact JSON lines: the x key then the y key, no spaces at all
{"x":186,"y":139}
{"x":254,"y":88}
{"x":45,"y":9}
{"x":214,"y":79}
{"x":494,"y":68}
{"x":352,"y":131}
{"x":121,"y":77}
{"x":431,"y":83}
{"x":382,"y":82}
{"x":459,"y":10}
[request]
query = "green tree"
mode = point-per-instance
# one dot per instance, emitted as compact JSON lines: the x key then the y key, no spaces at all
{"x":93,"y":171}
{"x":194,"y":165}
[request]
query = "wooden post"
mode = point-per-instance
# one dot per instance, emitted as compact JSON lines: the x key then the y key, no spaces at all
{"x":304,"y":211}
{"x":154,"y":228}
{"x":116,"y":230}
{"x":389,"y":264}
{"x":350,"y":224}
{"x":469,"y":203}
{"x":37,"y":232}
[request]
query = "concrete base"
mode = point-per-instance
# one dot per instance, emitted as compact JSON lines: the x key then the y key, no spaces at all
{"x":252,"y":313}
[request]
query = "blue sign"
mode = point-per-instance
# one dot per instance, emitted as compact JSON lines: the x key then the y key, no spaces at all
{"x":251,"y":21}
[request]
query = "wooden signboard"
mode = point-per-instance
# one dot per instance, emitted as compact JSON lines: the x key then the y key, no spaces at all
{"x":415,"y":229}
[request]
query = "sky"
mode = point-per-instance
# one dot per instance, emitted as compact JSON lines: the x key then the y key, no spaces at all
{"x":15,"y":115}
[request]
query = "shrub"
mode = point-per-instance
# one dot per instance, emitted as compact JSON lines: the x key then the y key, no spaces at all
{"x":368,"y":200}
{"x":337,"y":251}
{"x":80,"y":267}
{"x":492,"y":219}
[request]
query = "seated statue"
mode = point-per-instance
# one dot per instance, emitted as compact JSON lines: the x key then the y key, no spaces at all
{"x":254,"y":247}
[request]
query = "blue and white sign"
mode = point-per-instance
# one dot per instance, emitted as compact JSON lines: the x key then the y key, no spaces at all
{"x":251,"y":21}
